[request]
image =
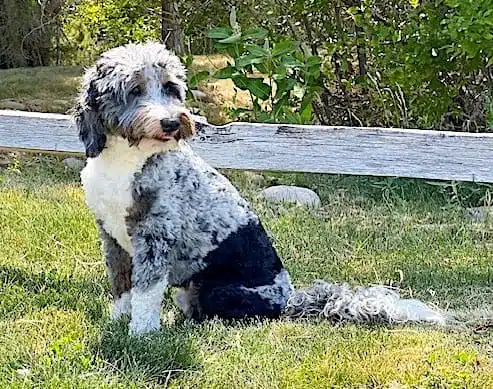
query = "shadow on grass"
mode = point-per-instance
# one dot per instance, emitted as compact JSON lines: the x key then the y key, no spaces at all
{"x":158,"y":357}
{"x":48,"y":289}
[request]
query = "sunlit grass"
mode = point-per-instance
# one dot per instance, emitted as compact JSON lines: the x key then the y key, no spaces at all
{"x":55,"y":329}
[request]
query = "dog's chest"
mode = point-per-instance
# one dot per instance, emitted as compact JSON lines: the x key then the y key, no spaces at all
{"x":107,"y":181}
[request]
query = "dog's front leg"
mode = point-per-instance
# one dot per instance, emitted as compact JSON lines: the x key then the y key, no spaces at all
{"x":149,"y":282}
{"x":118,"y":267}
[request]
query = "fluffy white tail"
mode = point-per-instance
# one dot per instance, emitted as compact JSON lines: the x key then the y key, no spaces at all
{"x":339,"y":302}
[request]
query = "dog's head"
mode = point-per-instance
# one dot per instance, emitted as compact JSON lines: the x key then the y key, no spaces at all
{"x":135,"y":91}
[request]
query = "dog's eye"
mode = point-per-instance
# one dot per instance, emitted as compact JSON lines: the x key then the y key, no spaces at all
{"x":136,"y":91}
{"x":171,"y":89}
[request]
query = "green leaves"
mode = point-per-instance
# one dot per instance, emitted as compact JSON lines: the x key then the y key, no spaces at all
{"x":246,"y":60}
{"x":226,"y":72}
{"x":284,"y":86}
{"x":259,"y":88}
{"x":231,"y":39}
{"x":255,"y":33}
{"x":258,"y":51}
{"x":284,"y":47}
{"x":220,"y":33}
{"x":240,"y":80}
{"x":289,"y":61}
{"x":255,"y":85}
{"x":281,"y":63}
{"x":197,"y":78}
{"x":312,"y":66}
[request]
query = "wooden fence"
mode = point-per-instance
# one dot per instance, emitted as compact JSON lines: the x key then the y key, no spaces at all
{"x":285,"y":147}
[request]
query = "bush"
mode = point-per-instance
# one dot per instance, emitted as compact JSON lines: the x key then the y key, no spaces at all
{"x":281,"y":80}
{"x":392,"y":63}
{"x":95,"y":26}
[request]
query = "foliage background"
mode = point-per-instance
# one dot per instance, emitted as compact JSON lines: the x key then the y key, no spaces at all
{"x":405,"y":63}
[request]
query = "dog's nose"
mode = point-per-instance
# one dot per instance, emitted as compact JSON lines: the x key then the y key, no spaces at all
{"x":170,"y":125}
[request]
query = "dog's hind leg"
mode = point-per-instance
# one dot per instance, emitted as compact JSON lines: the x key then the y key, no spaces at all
{"x":187,"y":300}
{"x":119,"y":269}
{"x":236,"y":302}
{"x":149,"y":281}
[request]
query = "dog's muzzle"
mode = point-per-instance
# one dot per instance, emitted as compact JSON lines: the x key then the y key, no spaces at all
{"x":170,"y":125}
{"x":181,"y":127}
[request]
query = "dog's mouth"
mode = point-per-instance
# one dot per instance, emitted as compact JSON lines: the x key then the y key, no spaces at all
{"x":181,"y":128}
{"x":167,"y":136}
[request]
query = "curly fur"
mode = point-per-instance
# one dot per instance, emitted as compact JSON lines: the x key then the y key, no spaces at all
{"x":339,"y":302}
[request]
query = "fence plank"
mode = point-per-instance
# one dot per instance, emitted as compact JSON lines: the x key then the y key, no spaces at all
{"x":318,"y":149}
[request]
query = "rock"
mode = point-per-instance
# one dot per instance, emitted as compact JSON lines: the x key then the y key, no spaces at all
{"x":74,"y":163}
{"x":11,"y":104}
{"x":4,"y":161}
{"x":478,"y":214}
{"x":293,"y":194}
{"x":23,"y":372}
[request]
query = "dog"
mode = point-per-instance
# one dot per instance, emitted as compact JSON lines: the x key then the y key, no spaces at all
{"x":166,"y":218}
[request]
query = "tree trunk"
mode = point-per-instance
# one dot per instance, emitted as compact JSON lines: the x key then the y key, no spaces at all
{"x":361,"y":50}
{"x":57,"y":42}
{"x":171,"y":32}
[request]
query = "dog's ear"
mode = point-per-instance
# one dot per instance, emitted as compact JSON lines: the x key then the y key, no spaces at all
{"x":89,"y":123}
{"x":187,"y":128}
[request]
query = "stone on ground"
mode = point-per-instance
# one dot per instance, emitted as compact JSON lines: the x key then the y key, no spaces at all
{"x":11,"y":104}
{"x":292,"y":194}
{"x":479,"y":214}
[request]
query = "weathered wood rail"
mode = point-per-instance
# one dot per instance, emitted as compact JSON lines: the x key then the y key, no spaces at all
{"x":319,"y":149}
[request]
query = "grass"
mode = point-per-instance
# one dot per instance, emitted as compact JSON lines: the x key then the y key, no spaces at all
{"x":55,"y":330}
{"x":42,"y":89}
{"x":53,"y":89}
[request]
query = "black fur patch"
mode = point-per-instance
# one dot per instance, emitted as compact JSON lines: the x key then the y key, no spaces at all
{"x":138,"y":211}
{"x":233,"y":302}
{"x":245,"y":259}
{"x":89,"y":123}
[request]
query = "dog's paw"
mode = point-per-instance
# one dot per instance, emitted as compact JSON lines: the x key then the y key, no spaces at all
{"x":121,"y":306}
{"x":142,"y":327}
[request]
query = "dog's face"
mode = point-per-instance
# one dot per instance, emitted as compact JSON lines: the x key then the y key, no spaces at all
{"x":135,"y":91}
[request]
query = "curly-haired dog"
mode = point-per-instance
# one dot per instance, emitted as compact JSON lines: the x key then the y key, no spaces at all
{"x":167,"y":218}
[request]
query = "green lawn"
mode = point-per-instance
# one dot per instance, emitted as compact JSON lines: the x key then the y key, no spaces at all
{"x":55,"y":330}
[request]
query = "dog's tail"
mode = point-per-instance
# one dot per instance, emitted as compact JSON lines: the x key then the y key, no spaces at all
{"x":339,"y":302}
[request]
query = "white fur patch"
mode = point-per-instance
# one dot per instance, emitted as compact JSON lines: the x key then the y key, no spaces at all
{"x":279,"y":292}
{"x":146,"y":307}
{"x":121,"y":306}
{"x":107,"y":181}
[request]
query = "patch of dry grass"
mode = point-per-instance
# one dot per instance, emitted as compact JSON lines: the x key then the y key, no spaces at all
{"x":42,"y":89}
